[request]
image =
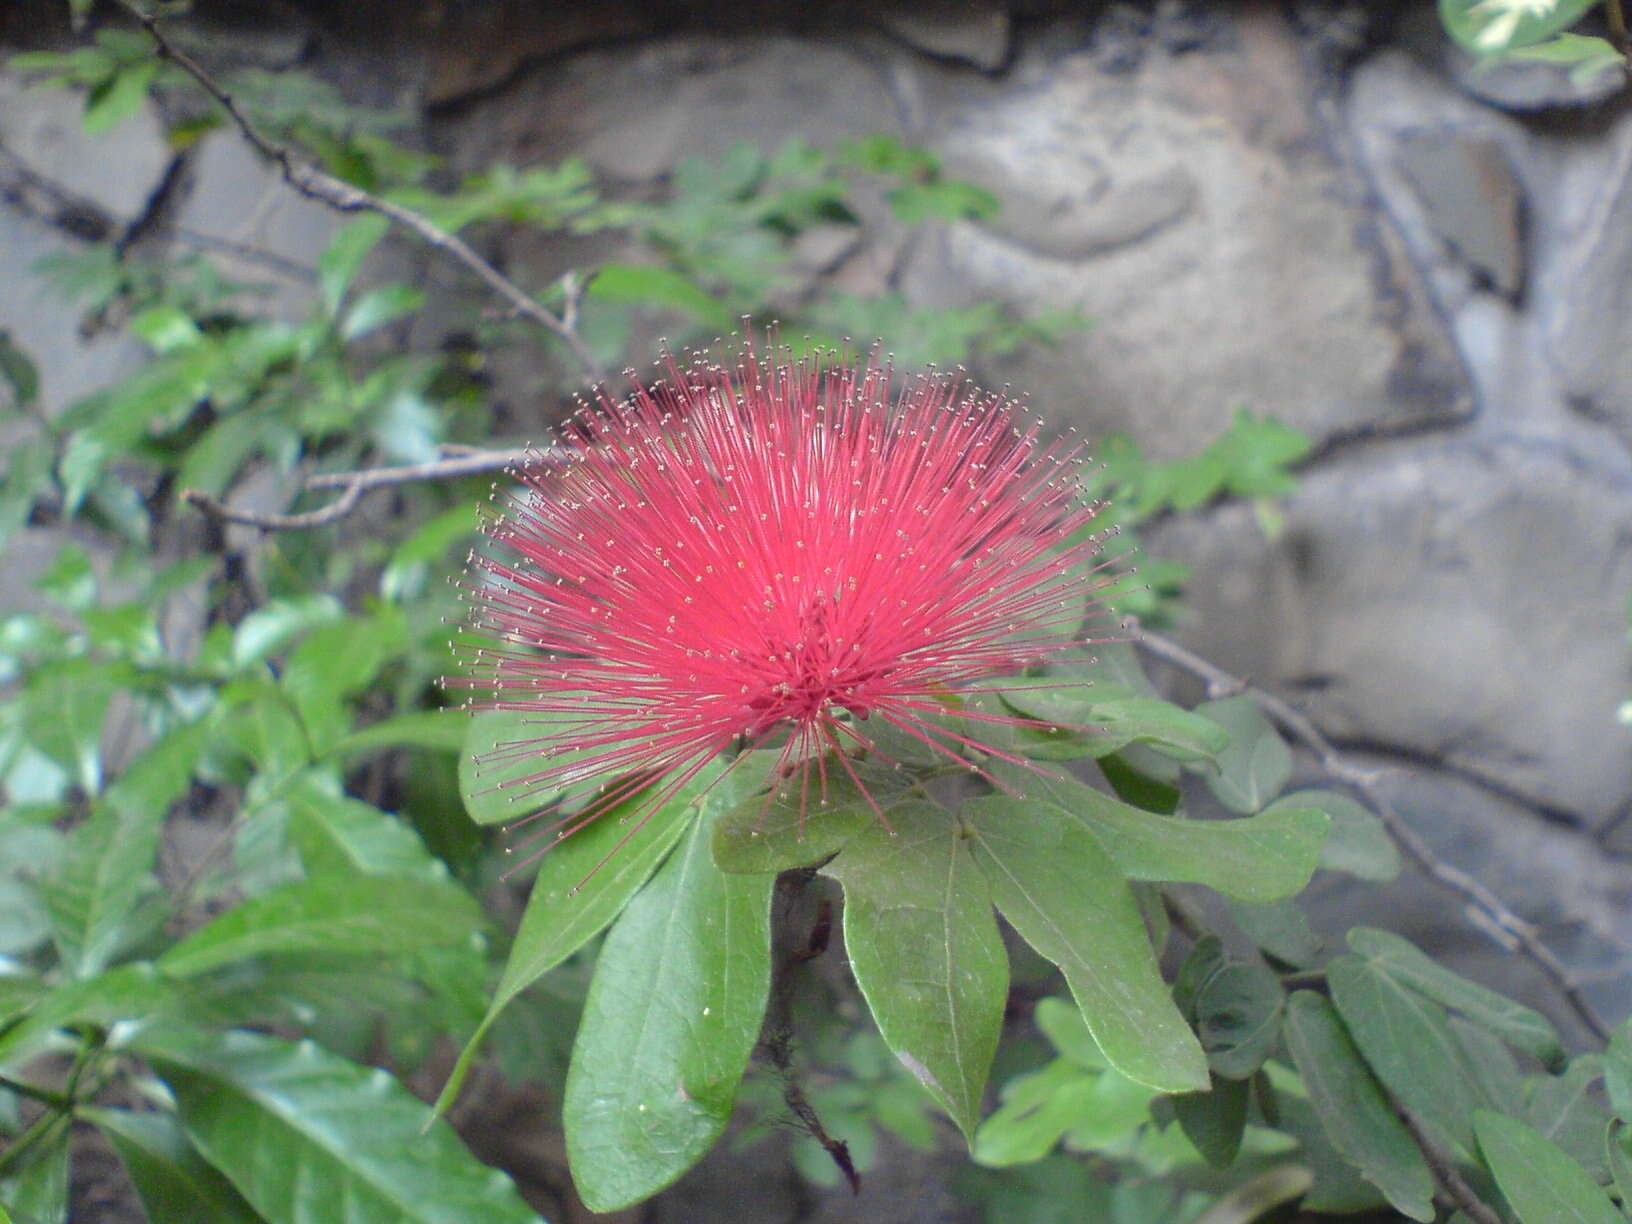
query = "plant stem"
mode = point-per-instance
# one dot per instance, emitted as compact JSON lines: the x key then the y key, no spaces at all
{"x":45,"y":1096}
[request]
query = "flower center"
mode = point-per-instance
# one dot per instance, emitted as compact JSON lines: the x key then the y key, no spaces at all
{"x":820,"y":668}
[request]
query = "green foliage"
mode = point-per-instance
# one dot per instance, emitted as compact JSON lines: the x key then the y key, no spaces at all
{"x":675,"y":1010}
{"x":286,"y":708}
{"x":1537,"y":30}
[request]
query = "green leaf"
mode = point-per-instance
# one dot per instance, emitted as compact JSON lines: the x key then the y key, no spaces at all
{"x":339,"y":264}
{"x":19,"y":372}
{"x":269,"y":629}
{"x":175,"y":1183}
{"x":1257,"y":763}
{"x":110,"y":857}
{"x":1586,"y":56}
{"x":1493,"y":1066}
{"x":672,"y":1015}
{"x":358,"y":915}
{"x":1521,"y":1027}
{"x":433,"y":730}
{"x":1352,"y":1108}
{"x":1037,"y":1110}
{"x":924,"y":946}
{"x":1565,"y":1110}
{"x":130,"y":992}
{"x":1491,"y":27}
{"x":1262,"y":858}
{"x":1066,"y":898}
{"x":38,"y":1192}
{"x":1215,"y":1120}
{"x":1618,"y":1071}
{"x":1407,"y":1040}
{"x":111,"y":102}
{"x":64,"y":709}
{"x":1619,"y":1158}
{"x":309,"y":1138}
{"x":429,"y":544}
{"x":798,"y":827}
{"x":1359,"y":844}
{"x":659,"y":287}
{"x":1280,"y":928}
{"x":1110,"y":725}
{"x":1128,"y":774}
{"x":1540,"y":1182}
{"x":915,"y":203}
{"x":166,"y":328}
{"x":582,"y":885}
{"x":1062,"y":1023}
{"x":258,"y":721}
{"x":1238,"y":1018}
{"x":495,"y":787}
{"x":379,"y":307}
{"x":340,"y":836}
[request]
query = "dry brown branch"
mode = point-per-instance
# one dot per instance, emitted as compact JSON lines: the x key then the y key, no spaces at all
{"x":1484,"y":907}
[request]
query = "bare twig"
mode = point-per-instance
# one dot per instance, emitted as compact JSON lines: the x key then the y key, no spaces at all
{"x":1446,"y":1177}
{"x":1483,"y":906}
{"x":331,"y":513}
{"x":776,"y":1037}
{"x":325,"y":188}
{"x":463,"y":461}
{"x":1617,"y":30}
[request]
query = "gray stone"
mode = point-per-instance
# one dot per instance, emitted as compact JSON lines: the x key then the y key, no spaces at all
{"x":1587,"y":316}
{"x":1471,"y":197}
{"x":1190,"y":211}
{"x":117,"y":171}
{"x":257,"y":225}
{"x":976,"y":34}
{"x":1459,"y":599}
{"x":47,"y":326}
{"x":1573,"y":335}
{"x":634,"y":112}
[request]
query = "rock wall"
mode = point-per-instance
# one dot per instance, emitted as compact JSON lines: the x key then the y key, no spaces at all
{"x":1314,"y":210}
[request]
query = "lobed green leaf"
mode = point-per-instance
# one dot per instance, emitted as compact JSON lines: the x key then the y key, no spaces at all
{"x":1065,"y":896}
{"x":1521,"y":1027}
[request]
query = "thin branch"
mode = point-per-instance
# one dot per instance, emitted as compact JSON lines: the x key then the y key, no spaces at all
{"x":336,"y":193}
{"x":776,"y":1036}
{"x":1484,"y":906}
{"x":1617,"y":30}
{"x":464,"y":461}
{"x":1446,"y":1176}
{"x":331,"y":513}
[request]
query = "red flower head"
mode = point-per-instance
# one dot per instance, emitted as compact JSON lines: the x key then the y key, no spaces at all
{"x":775,"y":546}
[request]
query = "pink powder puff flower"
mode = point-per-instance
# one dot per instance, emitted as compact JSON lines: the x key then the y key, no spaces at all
{"x":776,"y":546}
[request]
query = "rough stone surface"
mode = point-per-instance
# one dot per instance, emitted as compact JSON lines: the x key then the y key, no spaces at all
{"x":635,"y":112}
{"x":1191,"y":209}
{"x":116,"y":170}
{"x":259,"y":229}
{"x":1461,"y":599}
{"x":974,"y":34}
